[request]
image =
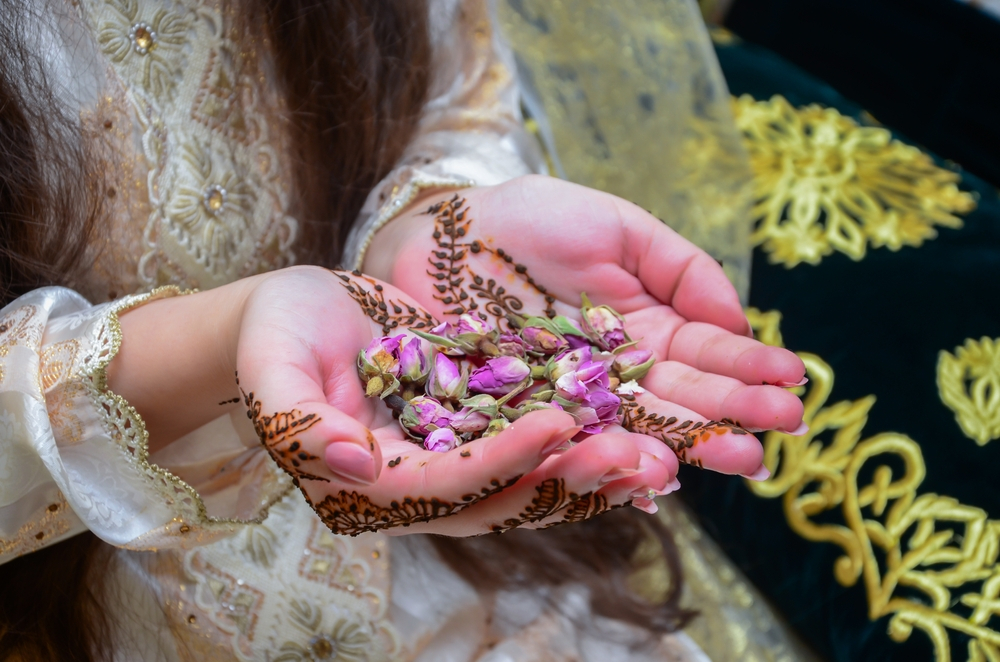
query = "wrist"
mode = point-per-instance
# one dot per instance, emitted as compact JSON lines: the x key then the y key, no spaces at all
{"x":177,"y":361}
{"x":389,"y":241}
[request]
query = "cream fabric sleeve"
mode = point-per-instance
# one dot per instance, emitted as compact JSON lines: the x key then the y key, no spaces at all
{"x":470,"y":133}
{"x":73,"y":455}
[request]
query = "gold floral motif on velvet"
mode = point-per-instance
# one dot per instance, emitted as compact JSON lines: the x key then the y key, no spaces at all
{"x":824,"y":183}
{"x":926,"y":560}
{"x":969,"y":384}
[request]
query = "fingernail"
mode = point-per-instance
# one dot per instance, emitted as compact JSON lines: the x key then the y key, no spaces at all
{"x":801,"y":382}
{"x":799,"y":431}
{"x":618,"y":474}
{"x":645,"y":505}
{"x":561,"y":438}
{"x":762,"y":473}
{"x":351,"y":462}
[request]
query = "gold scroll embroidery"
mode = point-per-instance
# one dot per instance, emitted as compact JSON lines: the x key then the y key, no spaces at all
{"x":969,"y":384}
{"x":925,"y":560}
{"x":824,"y":183}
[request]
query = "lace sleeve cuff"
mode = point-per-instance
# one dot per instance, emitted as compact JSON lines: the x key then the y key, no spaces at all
{"x":73,"y":455}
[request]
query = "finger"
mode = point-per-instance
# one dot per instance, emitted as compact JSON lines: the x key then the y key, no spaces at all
{"x":581,"y":469}
{"x":307,"y":437}
{"x":717,"y":445}
{"x":680,"y":274}
{"x":481,"y":465}
{"x":716,"y":397}
{"x":711,"y":349}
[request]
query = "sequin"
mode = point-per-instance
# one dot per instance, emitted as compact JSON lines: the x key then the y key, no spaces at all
{"x":143,"y":38}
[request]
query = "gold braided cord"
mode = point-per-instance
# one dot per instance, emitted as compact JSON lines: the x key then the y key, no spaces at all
{"x":926,"y":560}
{"x":823,"y":184}
{"x":969,"y":384}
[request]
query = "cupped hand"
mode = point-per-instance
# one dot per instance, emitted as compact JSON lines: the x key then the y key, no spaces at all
{"x":299,"y":339}
{"x":534,"y":244}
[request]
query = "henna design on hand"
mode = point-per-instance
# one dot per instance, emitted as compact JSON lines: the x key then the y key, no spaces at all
{"x":551,"y":497}
{"x":587,"y":506}
{"x":353,"y":513}
{"x":275,"y":433}
{"x":387,"y":312}
{"x":450,"y":269}
{"x":679,"y":437}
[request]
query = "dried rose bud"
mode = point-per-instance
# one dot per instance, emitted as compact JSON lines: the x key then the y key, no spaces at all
{"x":441,"y":440}
{"x":444,"y":329}
{"x":446,"y":380}
{"x":543,"y":340}
{"x":571,"y":388}
{"x":597,"y":409}
{"x":484,"y":403}
{"x":588,"y":375}
{"x":422,"y":415}
{"x":413,"y":362}
{"x":468,"y":419}
{"x":511,"y":345}
{"x":633,"y":364}
{"x":378,"y":366}
{"x":473,"y":324}
{"x":567,"y":362}
{"x":603,"y":325}
{"x":497,"y":425}
{"x":499,"y":376}
{"x":606,"y":405}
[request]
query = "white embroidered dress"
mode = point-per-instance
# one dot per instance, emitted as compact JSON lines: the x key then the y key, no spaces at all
{"x":217,"y":558}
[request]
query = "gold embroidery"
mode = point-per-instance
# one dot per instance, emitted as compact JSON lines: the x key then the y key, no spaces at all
{"x":57,"y":362}
{"x":211,"y":207}
{"x":823,"y":183}
{"x":969,"y":384}
{"x":344,"y":641}
{"x":40,"y":530}
{"x":16,"y":330}
{"x":926,"y":560}
{"x":149,"y":49}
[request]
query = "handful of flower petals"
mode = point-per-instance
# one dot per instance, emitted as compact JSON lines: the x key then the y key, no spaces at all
{"x":468,"y":380}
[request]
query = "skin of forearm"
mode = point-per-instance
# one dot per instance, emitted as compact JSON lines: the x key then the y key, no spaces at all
{"x":177,"y":361}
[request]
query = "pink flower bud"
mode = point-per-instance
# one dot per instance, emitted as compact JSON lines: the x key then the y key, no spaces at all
{"x":382,"y":355}
{"x":571,"y":388}
{"x":604,"y":326}
{"x":422,"y":415}
{"x":413,"y":363}
{"x":634,"y":364}
{"x":378,"y":366}
{"x":473,"y":324}
{"x":543,"y":340}
{"x":511,"y":345}
{"x":499,"y":376}
{"x":441,"y":440}
{"x":446,"y":380}
{"x":567,"y":362}
{"x":469,"y":419}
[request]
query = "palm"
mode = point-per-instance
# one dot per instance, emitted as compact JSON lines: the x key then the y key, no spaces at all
{"x":533,"y":245}
{"x":298,"y":346}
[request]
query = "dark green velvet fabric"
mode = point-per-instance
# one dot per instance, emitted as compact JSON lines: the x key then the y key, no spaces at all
{"x":880,"y":323}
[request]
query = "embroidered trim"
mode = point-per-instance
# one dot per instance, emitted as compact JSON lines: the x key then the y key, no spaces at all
{"x":126,"y":427}
{"x":926,"y":561}
{"x":968,"y":383}
{"x":823,"y":183}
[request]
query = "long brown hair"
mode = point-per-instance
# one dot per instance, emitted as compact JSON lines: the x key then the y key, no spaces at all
{"x":354,"y":76}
